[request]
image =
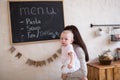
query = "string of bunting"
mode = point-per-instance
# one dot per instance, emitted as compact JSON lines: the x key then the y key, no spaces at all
{"x":36,"y":63}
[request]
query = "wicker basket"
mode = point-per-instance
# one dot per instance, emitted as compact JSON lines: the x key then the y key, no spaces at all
{"x":105,"y":62}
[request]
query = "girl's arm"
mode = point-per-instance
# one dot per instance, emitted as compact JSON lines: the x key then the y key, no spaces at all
{"x":71,"y":55}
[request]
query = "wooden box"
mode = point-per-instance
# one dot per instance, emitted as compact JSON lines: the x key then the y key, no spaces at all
{"x":100,"y":72}
{"x":117,"y":70}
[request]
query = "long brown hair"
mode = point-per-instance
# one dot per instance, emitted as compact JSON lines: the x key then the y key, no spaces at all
{"x":78,"y":39}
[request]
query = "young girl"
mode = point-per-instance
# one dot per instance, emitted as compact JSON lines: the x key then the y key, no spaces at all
{"x":82,"y":54}
{"x":69,"y":59}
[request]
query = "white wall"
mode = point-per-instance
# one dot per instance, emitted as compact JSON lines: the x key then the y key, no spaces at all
{"x":78,"y":12}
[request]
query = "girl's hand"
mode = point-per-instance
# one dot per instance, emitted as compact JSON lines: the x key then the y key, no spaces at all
{"x":69,"y":66}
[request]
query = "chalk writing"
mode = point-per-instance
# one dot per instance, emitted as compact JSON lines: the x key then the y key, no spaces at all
{"x":37,"y":11}
{"x":39,"y":34}
{"x":35,"y":21}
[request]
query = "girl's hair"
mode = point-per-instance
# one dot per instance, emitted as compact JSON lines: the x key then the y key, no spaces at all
{"x":78,"y":39}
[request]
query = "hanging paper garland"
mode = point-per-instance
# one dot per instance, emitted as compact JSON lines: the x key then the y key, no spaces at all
{"x":36,"y":63}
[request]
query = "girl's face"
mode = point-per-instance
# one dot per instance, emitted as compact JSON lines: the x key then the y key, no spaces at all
{"x":66,"y":38}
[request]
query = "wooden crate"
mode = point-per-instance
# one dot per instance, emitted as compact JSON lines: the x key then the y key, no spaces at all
{"x":117,"y":70}
{"x":100,"y":72}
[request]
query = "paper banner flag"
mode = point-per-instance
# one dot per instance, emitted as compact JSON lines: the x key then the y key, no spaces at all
{"x":40,"y":63}
{"x":50,"y":60}
{"x":59,"y":51}
{"x":18,"y":55}
{"x":12,"y":49}
{"x":29,"y":62}
{"x":43,"y":62}
{"x":33,"y":62}
{"x":37,"y":64}
{"x":55,"y":56}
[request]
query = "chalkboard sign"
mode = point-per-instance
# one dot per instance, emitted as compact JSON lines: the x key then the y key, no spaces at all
{"x":36,"y":20}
